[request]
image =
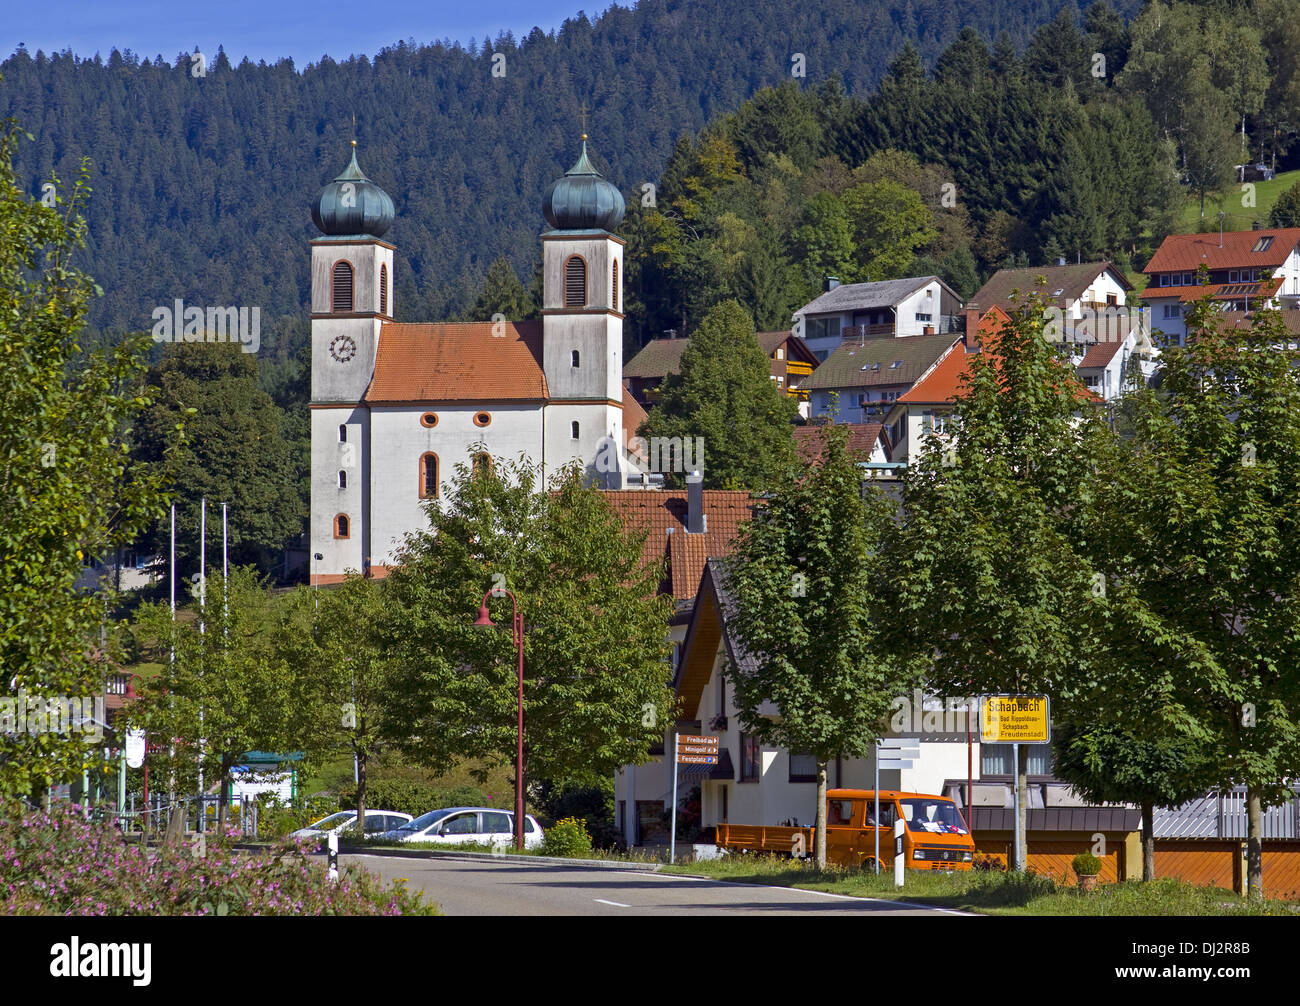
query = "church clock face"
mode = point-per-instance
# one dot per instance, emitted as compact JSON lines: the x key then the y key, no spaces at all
{"x":343,"y":348}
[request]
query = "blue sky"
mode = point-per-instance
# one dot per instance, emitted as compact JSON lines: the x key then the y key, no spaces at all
{"x":269,"y":29}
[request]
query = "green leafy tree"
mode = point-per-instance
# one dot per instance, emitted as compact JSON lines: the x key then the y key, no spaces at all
{"x":333,"y":644}
{"x":72,"y":491}
{"x":987,"y":572}
{"x":223,"y":692}
{"x":237,"y":454}
{"x":1215,"y":556}
{"x":595,"y":681}
{"x":725,"y":396}
{"x":889,"y":224}
{"x":1107,"y":764}
{"x":1286,"y":211}
{"x":806,"y":577}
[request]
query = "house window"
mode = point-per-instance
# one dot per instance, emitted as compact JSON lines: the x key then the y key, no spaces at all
{"x":1173,"y":311}
{"x":341,"y":293}
{"x":574,"y":429}
{"x":924,"y":317}
{"x":751,"y":762}
{"x":1234,"y":276}
{"x":1164,"y":279}
{"x":428,"y":476}
{"x":343,"y":434}
{"x":1263,"y":244}
{"x":575,"y":282}
{"x":780,"y":353}
{"x":1112,"y":299}
{"x":343,"y":479}
{"x":613,"y":290}
{"x":383,"y":289}
{"x":999,"y":760}
{"x":342,"y":526}
{"x":574,"y":358}
{"x":803,"y":768}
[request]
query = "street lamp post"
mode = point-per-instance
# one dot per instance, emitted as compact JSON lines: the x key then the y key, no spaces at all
{"x":484,"y":621}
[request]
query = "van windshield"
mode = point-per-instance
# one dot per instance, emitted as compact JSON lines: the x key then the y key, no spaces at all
{"x":940,"y":817}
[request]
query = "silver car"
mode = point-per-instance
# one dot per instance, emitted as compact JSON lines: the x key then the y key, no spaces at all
{"x":468,"y":826}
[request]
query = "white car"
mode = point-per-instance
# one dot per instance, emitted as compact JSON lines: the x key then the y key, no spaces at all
{"x":344,"y":823}
{"x":468,"y":825}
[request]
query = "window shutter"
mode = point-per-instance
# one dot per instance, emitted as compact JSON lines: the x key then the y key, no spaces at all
{"x":575,"y":282}
{"x":342,"y":300}
{"x":383,"y":289}
{"x":613,"y":296}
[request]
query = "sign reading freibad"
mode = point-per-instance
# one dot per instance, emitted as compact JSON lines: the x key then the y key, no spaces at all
{"x":697,"y":749}
{"x":1015,"y":719}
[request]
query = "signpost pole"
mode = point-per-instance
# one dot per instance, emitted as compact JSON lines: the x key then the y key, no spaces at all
{"x":672,"y":838}
{"x":900,"y":860}
{"x":1015,"y":768}
{"x":876,"y":817}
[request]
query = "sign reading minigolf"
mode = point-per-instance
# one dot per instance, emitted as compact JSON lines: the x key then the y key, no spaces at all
{"x":697,"y":749}
{"x":1015,"y":719}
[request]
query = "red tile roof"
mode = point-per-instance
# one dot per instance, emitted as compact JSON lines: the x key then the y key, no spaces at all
{"x":943,"y":384}
{"x":662,"y":511}
{"x":458,"y":362}
{"x":633,"y":416}
{"x":1185,"y":252}
{"x":862,"y":440}
{"x":1265,"y":288}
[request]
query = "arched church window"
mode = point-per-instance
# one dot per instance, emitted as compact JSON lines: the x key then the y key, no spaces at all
{"x":383,"y":289}
{"x":428,"y":476}
{"x":342,"y":526}
{"x":343,"y":433}
{"x":343,"y":479}
{"x":342,"y":287}
{"x":574,"y":358}
{"x":575,"y":429}
{"x":482,"y":465}
{"x":575,"y":281}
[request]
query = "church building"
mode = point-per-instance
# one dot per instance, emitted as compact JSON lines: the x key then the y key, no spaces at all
{"x":396,"y":406}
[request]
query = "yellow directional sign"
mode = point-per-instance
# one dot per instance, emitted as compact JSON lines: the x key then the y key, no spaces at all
{"x":1015,"y":719}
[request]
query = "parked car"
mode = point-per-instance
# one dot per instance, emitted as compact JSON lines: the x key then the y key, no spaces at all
{"x":344,"y":824}
{"x":468,"y":826}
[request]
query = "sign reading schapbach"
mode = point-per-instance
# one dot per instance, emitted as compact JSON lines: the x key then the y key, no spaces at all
{"x":1015,"y":719}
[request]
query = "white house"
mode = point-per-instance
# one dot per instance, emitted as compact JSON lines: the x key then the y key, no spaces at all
{"x":894,"y":308}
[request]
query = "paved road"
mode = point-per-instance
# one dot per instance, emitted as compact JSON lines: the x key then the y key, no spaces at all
{"x":481,"y":887}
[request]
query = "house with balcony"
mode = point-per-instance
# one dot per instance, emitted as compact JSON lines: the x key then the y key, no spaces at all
{"x":790,"y":363}
{"x":1247,"y":270}
{"x":895,"y":308}
{"x":1074,"y":289}
{"x":863,"y":378}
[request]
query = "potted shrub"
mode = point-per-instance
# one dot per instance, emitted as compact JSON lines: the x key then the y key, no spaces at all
{"x":1086,"y":867}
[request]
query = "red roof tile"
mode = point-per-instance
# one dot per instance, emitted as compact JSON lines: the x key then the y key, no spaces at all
{"x":862,"y":440}
{"x":1185,"y":252}
{"x":633,"y":416}
{"x":1186,"y":294}
{"x":458,"y":363}
{"x":662,"y":511}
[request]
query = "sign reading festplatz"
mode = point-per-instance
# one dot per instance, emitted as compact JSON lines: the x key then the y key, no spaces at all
{"x":1015,"y":719}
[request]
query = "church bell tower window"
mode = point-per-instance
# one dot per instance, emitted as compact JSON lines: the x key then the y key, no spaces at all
{"x":575,"y":281}
{"x":341,"y":300}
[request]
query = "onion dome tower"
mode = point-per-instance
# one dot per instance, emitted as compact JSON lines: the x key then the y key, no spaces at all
{"x":352,"y":205}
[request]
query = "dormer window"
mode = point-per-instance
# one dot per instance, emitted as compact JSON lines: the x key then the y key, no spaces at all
{"x":1263,"y":244}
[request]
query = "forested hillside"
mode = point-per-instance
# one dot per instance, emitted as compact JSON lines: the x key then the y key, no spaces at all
{"x":202,"y":184}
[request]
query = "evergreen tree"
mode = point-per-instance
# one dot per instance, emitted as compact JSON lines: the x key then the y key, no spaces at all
{"x":725,"y":397}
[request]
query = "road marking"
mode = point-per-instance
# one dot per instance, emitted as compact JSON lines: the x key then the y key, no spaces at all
{"x":805,"y":890}
{"x":616,"y":904}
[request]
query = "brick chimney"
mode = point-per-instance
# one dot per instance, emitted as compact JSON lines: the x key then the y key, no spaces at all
{"x":696,"y":521}
{"x":972,"y":328}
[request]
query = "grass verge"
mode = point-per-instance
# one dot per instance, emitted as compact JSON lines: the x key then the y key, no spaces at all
{"x":991,"y":892}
